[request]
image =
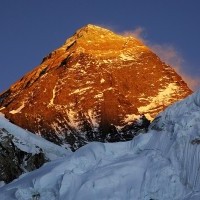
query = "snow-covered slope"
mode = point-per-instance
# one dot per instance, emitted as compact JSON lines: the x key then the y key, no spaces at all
{"x":161,"y":164}
{"x":22,"y":151}
{"x":31,"y":143}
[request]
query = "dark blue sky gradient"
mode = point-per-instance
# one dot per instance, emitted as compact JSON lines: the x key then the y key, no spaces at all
{"x":30,"y":29}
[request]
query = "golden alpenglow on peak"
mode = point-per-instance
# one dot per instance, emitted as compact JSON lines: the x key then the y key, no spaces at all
{"x":99,"y":41}
{"x":93,"y":30}
{"x":98,"y":86}
{"x":90,"y":28}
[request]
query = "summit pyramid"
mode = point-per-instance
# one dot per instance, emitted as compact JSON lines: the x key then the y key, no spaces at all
{"x":98,"y":86}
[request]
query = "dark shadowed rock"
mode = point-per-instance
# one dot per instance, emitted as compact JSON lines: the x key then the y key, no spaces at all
{"x":14,"y":161}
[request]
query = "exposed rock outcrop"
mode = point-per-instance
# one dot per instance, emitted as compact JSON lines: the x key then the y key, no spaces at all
{"x":14,"y":161}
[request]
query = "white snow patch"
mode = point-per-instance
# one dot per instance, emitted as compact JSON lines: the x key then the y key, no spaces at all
{"x":72,"y":115}
{"x":102,"y":80}
{"x":106,"y":61}
{"x":55,"y":126}
{"x":93,"y":118}
{"x":18,"y":110}
{"x":51,"y":103}
{"x":83,"y":71}
{"x":163,"y":98}
{"x":77,"y":65}
{"x":110,"y":88}
{"x":2,"y":108}
{"x":126,"y":57}
{"x":98,"y":96}
{"x":131,"y":118}
{"x":89,"y":82}
{"x":81,"y":91}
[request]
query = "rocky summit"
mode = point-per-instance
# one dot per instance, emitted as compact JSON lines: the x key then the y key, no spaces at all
{"x":98,"y":86}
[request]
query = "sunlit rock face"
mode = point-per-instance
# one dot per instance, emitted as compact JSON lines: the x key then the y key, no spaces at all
{"x":97,"y":86}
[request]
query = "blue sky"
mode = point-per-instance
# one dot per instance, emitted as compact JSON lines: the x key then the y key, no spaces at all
{"x":30,"y":29}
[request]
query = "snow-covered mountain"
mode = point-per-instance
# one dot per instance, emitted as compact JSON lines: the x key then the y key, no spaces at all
{"x":161,"y":164}
{"x":22,"y":151}
{"x":96,"y":87}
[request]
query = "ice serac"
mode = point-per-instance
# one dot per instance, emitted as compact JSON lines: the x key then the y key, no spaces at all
{"x":97,"y":86}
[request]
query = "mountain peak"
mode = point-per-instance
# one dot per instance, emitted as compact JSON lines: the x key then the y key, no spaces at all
{"x":95,"y":87}
{"x":97,"y":40}
{"x":91,"y":35}
{"x":93,"y":29}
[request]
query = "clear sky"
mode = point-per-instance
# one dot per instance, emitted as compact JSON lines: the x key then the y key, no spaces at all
{"x":30,"y":29}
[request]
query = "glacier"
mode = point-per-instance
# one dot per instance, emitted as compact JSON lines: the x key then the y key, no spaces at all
{"x":162,"y":164}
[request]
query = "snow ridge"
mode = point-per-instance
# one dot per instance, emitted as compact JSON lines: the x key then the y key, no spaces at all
{"x":29,"y":142}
